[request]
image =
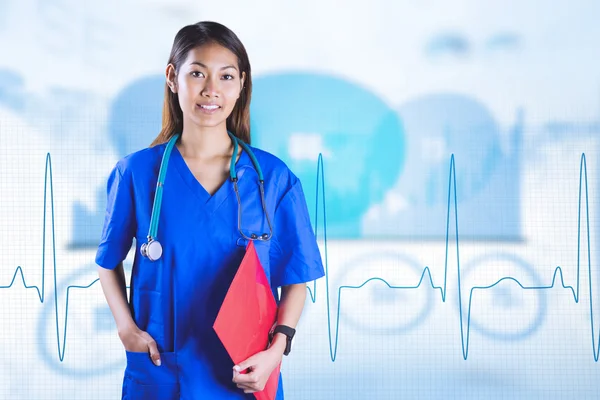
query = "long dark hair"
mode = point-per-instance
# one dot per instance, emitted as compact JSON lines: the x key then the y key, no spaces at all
{"x":189,"y":37}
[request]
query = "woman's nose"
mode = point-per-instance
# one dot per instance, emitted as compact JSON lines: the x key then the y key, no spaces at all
{"x":211,"y":88}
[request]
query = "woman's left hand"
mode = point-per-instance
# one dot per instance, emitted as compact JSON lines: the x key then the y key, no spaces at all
{"x":260,"y":367}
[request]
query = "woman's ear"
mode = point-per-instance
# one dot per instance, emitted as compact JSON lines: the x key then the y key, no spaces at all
{"x":242,"y":82}
{"x":171,"y":77}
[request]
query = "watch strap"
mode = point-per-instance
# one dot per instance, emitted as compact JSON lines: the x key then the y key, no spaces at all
{"x":289,"y":332}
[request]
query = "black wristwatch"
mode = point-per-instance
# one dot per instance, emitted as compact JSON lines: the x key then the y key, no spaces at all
{"x":288,"y":332}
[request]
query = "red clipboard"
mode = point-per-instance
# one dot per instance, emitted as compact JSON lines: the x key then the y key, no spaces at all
{"x":246,"y":316}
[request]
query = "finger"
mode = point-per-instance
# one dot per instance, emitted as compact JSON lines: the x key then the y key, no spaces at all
{"x":251,"y":388}
{"x":247,"y":388}
{"x":243,"y":386}
{"x":246,"y":379}
{"x":235,"y":377}
{"x":244,"y":364}
{"x":154,"y":354}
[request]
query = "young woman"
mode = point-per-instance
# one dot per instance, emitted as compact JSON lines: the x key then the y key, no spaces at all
{"x":203,"y":227}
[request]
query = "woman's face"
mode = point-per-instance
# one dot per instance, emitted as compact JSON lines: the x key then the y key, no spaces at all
{"x":208,"y":85}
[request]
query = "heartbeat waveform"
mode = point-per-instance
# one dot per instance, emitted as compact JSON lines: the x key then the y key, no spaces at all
{"x":453,"y":203}
{"x":333,"y":342}
{"x":41,"y":294}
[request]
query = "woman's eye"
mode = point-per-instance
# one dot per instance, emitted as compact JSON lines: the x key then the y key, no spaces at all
{"x":196,"y":74}
{"x":228,"y":77}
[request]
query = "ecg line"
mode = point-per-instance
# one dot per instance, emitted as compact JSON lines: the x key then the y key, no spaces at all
{"x":41,"y":294}
{"x":333,"y":343}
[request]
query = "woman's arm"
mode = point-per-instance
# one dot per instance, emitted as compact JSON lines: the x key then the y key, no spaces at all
{"x":114,"y":287}
{"x":133,"y":339}
{"x":290,"y":309}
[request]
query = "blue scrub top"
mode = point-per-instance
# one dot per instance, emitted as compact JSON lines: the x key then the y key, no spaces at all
{"x":176,"y":298}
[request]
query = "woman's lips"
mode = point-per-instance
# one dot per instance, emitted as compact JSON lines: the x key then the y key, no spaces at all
{"x":208,"y":108}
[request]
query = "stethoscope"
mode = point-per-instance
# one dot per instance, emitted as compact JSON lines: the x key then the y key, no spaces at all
{"x":153,"y":249}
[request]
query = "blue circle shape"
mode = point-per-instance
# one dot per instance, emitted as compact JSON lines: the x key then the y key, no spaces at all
{"x":401,"y":327}
{"x":48,"y":319}
{"x":296,"y":116}
{"x":540,"y":314}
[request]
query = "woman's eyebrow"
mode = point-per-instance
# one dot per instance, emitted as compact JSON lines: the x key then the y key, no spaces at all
{"x":204,"y":66}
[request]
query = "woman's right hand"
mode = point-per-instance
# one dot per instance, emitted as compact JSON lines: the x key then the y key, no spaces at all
{"x":138,"y":341}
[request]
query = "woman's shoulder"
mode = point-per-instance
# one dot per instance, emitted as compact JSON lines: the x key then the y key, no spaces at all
{"x":141,"y":161}
{"x":274,"y":167}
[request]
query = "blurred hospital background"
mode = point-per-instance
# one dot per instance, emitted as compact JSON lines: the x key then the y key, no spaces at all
{"x":460,"y":146}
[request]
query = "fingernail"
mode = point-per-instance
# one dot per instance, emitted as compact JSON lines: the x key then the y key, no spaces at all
{"x":157,"y":362}
{"x":236,"y":368}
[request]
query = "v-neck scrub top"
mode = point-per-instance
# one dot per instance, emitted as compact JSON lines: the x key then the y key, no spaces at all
{"x":176,"y":298}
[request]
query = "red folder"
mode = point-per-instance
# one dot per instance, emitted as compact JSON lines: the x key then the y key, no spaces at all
{"x":246,"y":316}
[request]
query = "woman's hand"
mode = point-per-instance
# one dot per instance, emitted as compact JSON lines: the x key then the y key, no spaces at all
{"x":260,"y":367}
{"x":136,"y":340}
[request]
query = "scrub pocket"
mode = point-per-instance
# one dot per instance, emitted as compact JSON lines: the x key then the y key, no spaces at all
{"x":145,"y":381}
{"x":262,"y":251}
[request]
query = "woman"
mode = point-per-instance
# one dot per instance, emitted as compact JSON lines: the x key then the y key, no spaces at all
{"x":167,"y":328}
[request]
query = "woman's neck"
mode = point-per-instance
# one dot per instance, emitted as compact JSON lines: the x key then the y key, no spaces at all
{"x":205,"y":143}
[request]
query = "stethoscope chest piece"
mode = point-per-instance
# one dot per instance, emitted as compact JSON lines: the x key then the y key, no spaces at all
{"x":152,"y":250}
